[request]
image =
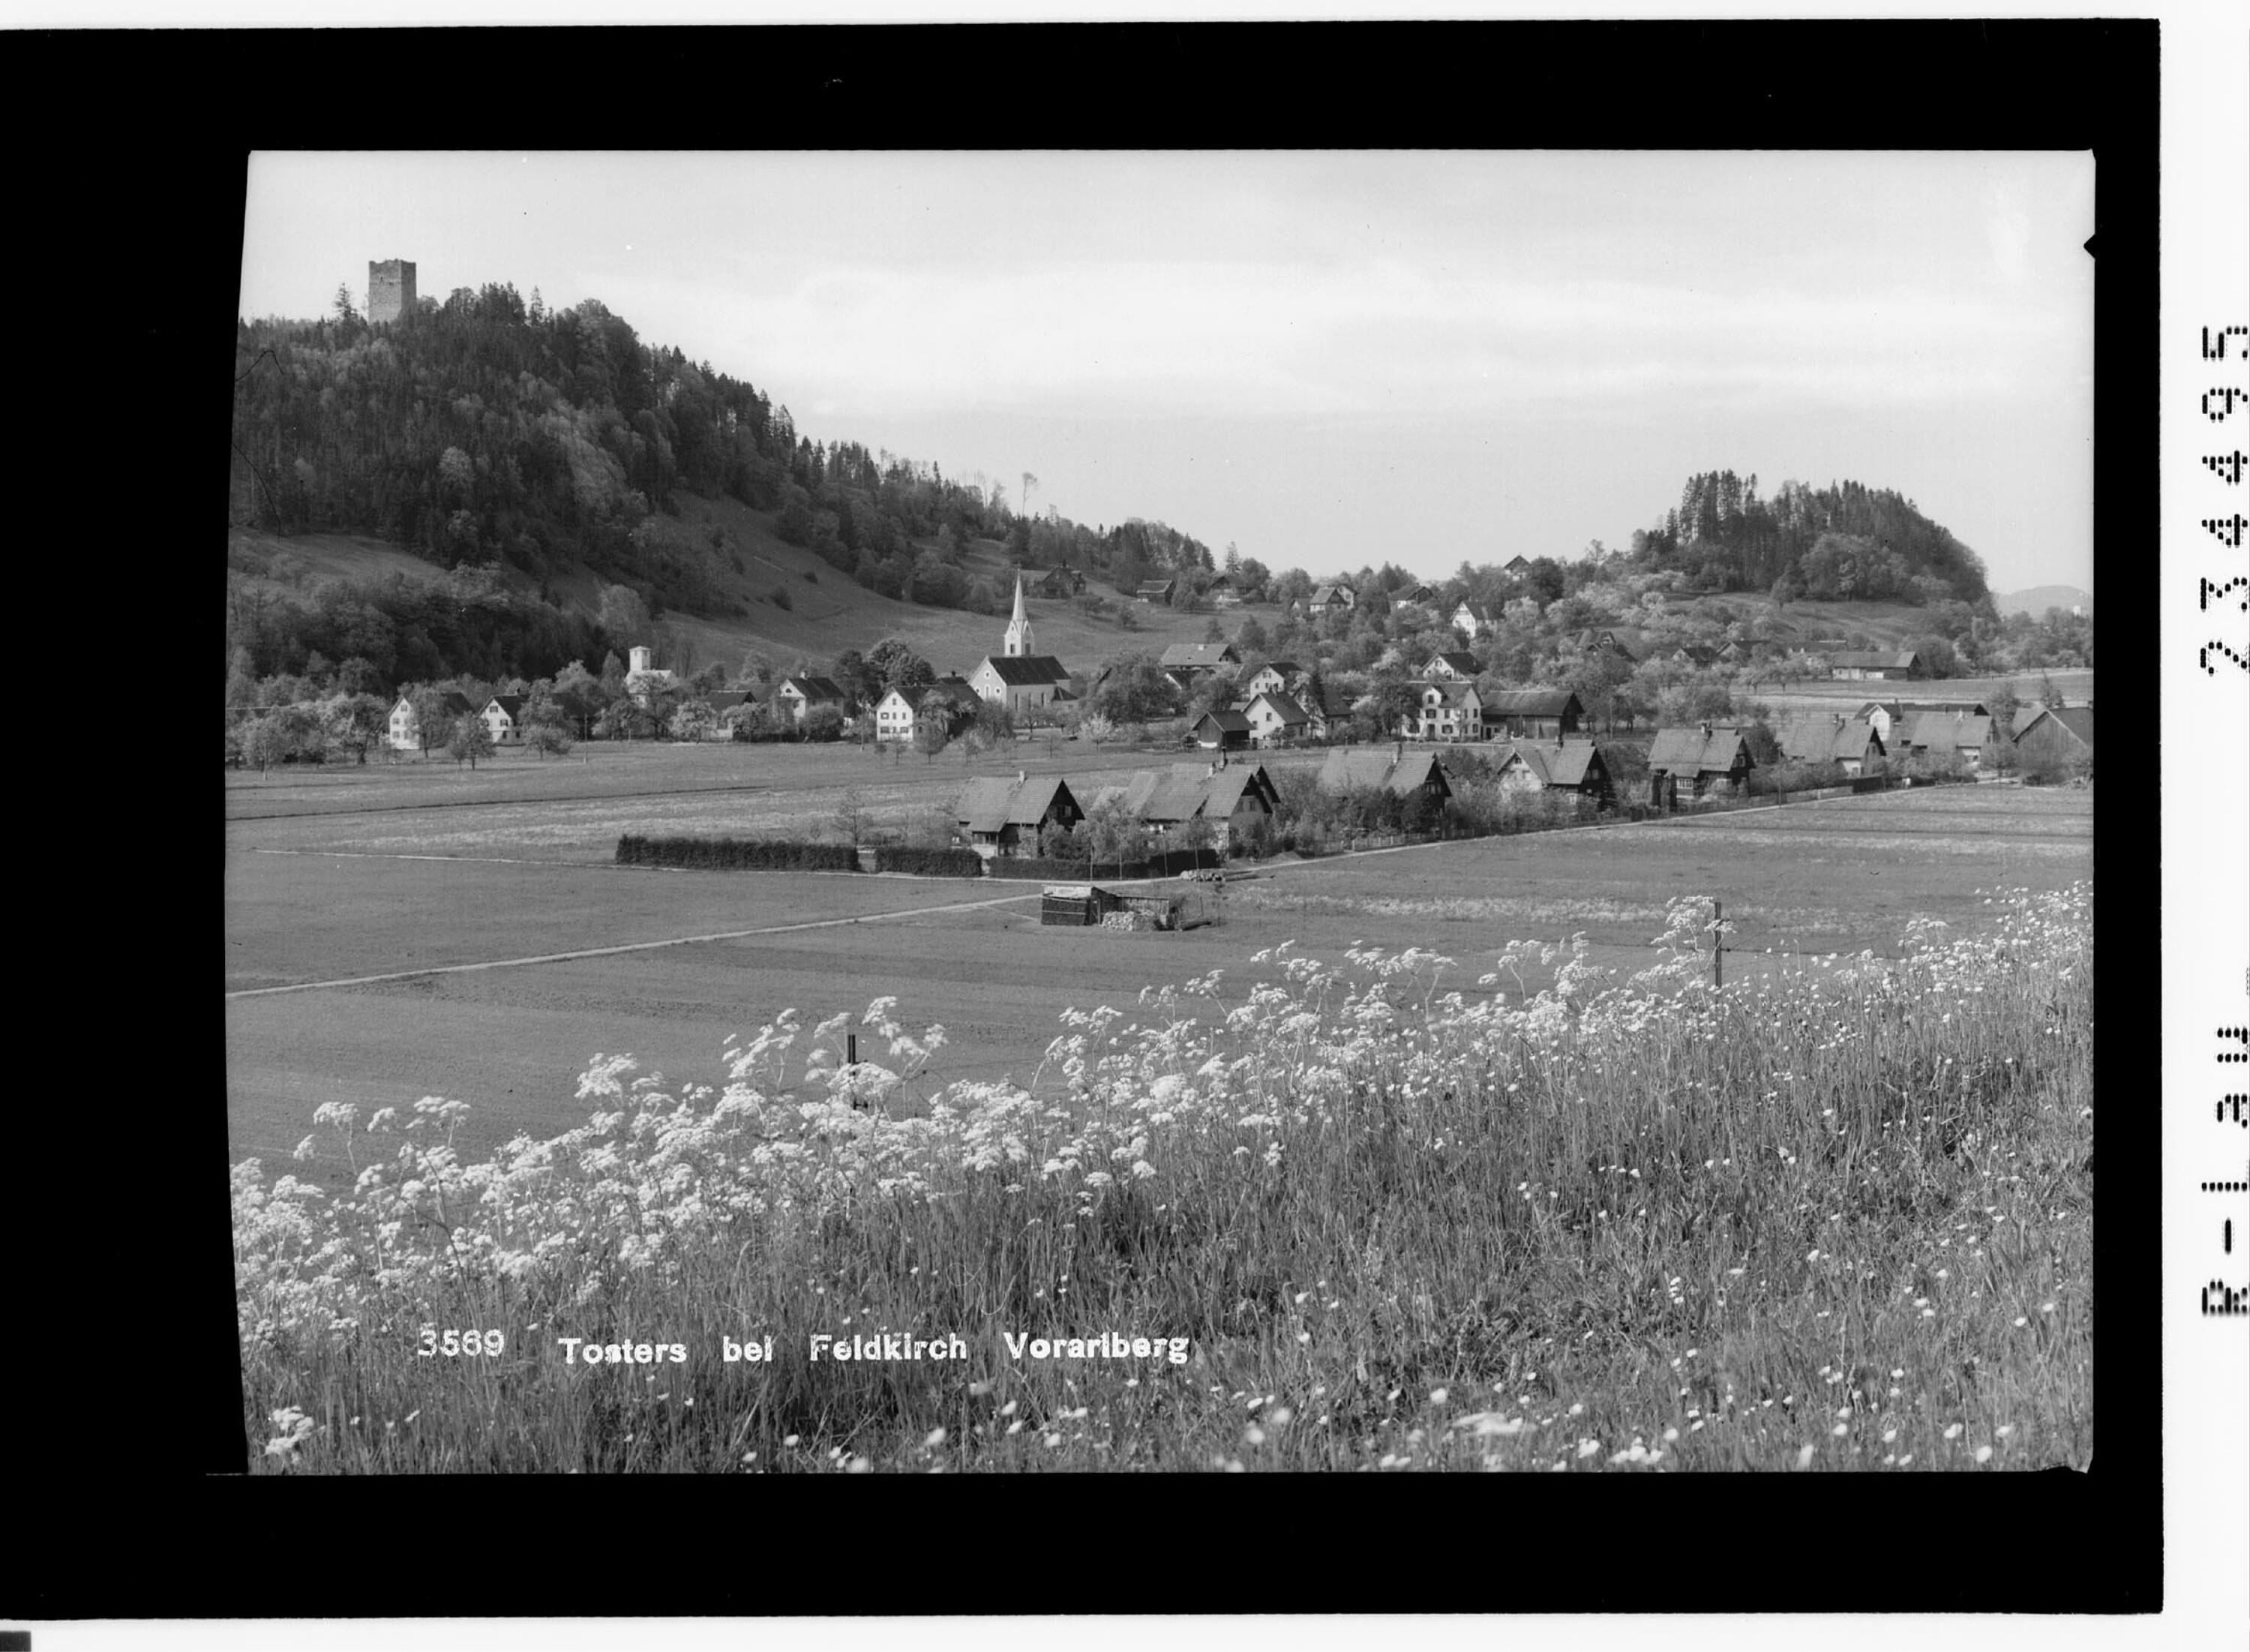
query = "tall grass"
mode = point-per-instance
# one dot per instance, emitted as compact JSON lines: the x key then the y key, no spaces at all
{"x":1836,"y":1216}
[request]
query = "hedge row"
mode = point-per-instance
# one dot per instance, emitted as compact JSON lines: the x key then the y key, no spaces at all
{"x":930,"y":863}
{"x":1058,"y":871}
{"x":736,"y":854}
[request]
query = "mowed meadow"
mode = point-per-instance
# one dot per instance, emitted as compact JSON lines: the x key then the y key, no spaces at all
{"x":1387,"y":1134}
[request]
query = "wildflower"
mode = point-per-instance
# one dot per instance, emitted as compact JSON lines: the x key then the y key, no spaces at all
{"x":1804,"y":1456}
{"x":934,"y":1439}
{"x":1953,"y":1431}
{"x":1437,"y":1396}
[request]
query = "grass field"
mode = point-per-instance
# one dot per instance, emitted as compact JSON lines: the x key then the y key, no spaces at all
{"x":1843,"y":877}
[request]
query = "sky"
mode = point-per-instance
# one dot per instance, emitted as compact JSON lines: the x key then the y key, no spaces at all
{"x":1327,"y":359}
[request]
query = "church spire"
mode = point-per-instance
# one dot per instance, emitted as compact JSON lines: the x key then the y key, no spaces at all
{"x":1020,"y":628}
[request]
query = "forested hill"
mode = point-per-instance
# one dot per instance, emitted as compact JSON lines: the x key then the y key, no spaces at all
{"x":1837,"y":543}
{"x":486,"y":429}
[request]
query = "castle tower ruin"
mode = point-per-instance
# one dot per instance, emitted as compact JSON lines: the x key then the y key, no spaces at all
{"x":389,"y":289}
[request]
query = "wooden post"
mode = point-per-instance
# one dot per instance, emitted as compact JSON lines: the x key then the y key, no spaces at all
{"x":1718,"y":939}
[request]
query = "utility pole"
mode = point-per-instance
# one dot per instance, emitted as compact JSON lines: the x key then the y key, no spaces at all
{"x":1718,"y":944}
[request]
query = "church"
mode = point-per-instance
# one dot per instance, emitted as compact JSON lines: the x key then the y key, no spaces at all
{"x":1016,"y":678}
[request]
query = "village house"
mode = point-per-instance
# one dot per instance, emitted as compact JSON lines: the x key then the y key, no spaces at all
{"x":1223,"y":592}
{"x":1735,"y":652}
{"x":1517,"y":564}
{"x":2058,"y":734}
{"x":1059,"y":581}
{"x":1453,"y":665}
{"x":1277,"y":719}
{"x":997,"y":815}
{"x":1023,"y":684}
{"x":1564,"y":766}
{"x":1446,"y":711}
{"x":1967,"y":738}
{"x":1229,"y":797}
{"x":898,"y":714}
{"x":800,"y":694}
{"x":1699,"y":655}
{"x":1403,"y":773}
{"x":1540,"y":713}
{"x":1887,"y":715}
{"x":721,"y":701}
{"x":1333,"y":598}
{"x":405,"y":731}
{"x":1222,"y":731}
{"x":502,"y":716}
{"x":1158,"y":591}
{"x":1851,"y":741}
{"x":1417,"y":595}
{"x":1275,"y":677}
{"x":1328,"y":709}
{"x":1712,"y":760}
{"x":1470,"y":621}
{"x":1852,"y":665}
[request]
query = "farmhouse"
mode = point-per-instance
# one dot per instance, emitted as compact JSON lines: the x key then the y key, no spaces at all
{"x":405,"y":732}
{"x":1714,"y":760}
{"x":1542,"y":714}
{"x":898,"y":714}
{"x":1404,"y":773}
{"x":1418,"y":594}
{"x":1453,"y":665}
{"x":1447,"y":710}
{"x":1887,"y":714}
{"x":1222,"y":731}
{"x":1699,"y":655}
{"x":1516,"y":565}
{"x":1957,"y":734}
{"x":1230,"y":796}
{"x":1001,"y":817}
{"x":1184,"y":662}
{"x":1021,"y":683}
{"x":1849,"y":741}
{"x":1470,"y":621}
{"x":1569,"y":766}
{"x":801,"y":694}
{"x":1059,"y":581}
{"x":1278,"y":720}
{"x":1156,"y":590}
{"x":2058,"y":734}
{"x":1223,"y":592}
{"x":1858,"y":665}
{"x":502,"y":715}
{"x":1335,"y":598}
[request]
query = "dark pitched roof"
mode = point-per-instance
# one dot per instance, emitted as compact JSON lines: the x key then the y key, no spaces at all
{"x":1382,"y":770}
{"x":1228,"y":722}
{"x":2079,"y":719}
{"x":1333,"y":591}
{"x":1692,"y":751}
{"x":1946,"y":730}
{"x":1697,"y":653}
{"x":993,"y":801}
{"x":1873,"y":659}
{"x":817,"y":690}
{"x":1534,"y":702}
{"x":457,"y":702}
{"x":1027,"y":670}
{"x":1821,"y":740}
{"x":1565,"y":764}
{"x":1155,"y":587}
{"x":1457,"y":659}
{"x":1199,"y":654}
{"x":1449,"y":692}
{"x":509,"y":703}
{"x":725,"y":699}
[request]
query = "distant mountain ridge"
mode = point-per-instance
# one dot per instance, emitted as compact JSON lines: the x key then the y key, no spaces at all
{"x":2037,"y":599}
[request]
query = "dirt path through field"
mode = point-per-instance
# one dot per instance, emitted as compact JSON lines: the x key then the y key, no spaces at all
{"x":634,"y":946}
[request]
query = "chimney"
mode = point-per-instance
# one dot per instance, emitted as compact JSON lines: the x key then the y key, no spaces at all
{"x":1839,"y":720}
{"x":1021,"y":776}
{"x":1705,"y":726}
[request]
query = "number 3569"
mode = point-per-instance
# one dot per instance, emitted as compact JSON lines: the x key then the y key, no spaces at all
{"x":461,"y":1344}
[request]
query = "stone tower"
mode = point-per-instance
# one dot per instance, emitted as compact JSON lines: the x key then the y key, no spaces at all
{"x":389,"y":289}
{"x":1020,"y":628}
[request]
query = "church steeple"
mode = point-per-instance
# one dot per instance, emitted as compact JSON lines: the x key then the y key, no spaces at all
{"x":1020,"y":628}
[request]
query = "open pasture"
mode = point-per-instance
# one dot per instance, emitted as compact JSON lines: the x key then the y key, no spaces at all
{"x":1844,"y":876}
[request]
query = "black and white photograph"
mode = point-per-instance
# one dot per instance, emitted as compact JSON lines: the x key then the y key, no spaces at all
{"x":1180,"y":811}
